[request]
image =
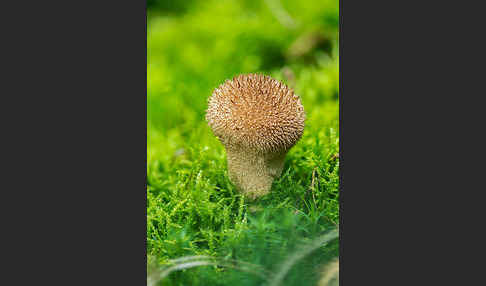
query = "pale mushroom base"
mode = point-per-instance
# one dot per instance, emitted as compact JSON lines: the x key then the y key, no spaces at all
{"x":253,"y":173}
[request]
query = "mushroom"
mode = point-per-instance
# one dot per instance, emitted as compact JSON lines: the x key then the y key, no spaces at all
{"x":258,"y":119}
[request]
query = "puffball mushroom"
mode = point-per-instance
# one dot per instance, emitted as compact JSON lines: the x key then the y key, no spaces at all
{"x":258,"y":119}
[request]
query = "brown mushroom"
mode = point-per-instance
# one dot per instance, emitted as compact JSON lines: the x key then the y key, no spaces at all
{"x":258,"y":119}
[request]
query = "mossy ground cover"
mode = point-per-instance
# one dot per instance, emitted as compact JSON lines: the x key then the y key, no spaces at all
{"x":192,"y":207}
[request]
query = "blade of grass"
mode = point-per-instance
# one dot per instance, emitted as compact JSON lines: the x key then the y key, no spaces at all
{"x":298,"y":255}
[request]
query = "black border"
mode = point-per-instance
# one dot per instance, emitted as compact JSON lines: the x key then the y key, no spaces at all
{"x":76,"y":187}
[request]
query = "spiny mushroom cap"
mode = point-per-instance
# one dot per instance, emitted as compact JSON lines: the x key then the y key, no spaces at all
{"x":256,"y":111}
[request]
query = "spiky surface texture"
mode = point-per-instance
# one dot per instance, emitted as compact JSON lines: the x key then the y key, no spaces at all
{"x":256,"y":112}
{"x":258,"y":119}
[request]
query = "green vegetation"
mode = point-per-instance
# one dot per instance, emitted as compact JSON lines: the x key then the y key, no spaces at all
{"x":192,"y":207}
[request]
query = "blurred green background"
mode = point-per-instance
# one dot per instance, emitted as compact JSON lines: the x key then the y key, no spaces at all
{"x":192,"y":208}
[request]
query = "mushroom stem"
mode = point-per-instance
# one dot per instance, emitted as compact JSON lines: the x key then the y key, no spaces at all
{"x":253,"y":172}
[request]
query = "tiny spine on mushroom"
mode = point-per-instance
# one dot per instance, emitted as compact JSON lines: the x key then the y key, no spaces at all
{"x":258,"y":119}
